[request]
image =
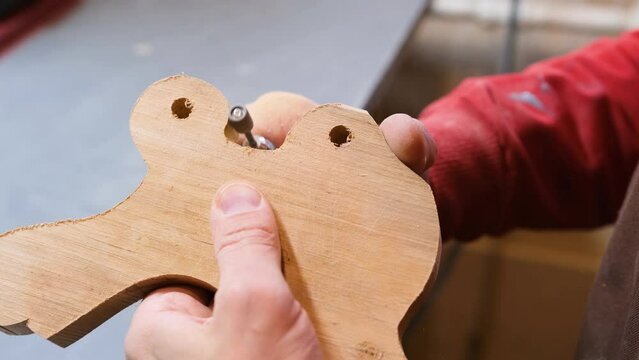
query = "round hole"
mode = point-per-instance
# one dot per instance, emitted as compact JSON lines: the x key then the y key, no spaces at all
{"x":182,"y":108}
{"x":340,"y":135}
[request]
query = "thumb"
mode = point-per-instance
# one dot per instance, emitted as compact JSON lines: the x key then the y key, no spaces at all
{"x":246,"y":238}
{"x":410,"y":141}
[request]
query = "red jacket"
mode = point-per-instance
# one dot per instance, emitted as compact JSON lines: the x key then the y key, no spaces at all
{"x":552,"y":147}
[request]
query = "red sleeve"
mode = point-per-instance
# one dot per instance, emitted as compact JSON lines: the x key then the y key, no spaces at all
{"x":30,"y":18}
{"x":552,"y":147}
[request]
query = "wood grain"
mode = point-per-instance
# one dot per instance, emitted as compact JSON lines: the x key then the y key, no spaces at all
{"x":359,"y":230}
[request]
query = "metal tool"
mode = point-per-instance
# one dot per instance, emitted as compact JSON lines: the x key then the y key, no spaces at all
{"x":241,"y":121}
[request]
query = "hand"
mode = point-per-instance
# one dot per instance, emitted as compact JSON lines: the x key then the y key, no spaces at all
{"x":254,"y":315}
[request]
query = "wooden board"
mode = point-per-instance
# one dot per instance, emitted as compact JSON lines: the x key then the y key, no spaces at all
{"x":359,"y":230}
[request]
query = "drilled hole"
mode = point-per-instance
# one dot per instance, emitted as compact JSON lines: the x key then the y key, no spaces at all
{"x":182,"y":108}
{"x":340,"y":135}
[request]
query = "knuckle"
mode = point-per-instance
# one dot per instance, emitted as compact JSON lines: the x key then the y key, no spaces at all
{"x":273,"y":296}
{"x":244,"y":235}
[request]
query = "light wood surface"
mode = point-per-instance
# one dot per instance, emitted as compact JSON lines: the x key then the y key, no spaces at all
{"x":359,"y":230}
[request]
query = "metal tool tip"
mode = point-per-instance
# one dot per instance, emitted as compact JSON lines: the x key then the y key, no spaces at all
{"x":238,"y":112}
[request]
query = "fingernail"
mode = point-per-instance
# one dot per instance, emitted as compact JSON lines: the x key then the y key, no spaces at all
{"x":237,"y":198}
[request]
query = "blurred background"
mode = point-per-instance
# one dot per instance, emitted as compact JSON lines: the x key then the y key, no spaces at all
{"x":521,"y":296}
{"x":71,"y":70}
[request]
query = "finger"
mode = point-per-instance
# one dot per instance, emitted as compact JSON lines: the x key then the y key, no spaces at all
{"x":275,"y":113}
{"x":253,"y":301}
{"x":164,"y":318}
{"x":185,"y":300}
{"x":410,"y":141}
{"x":246,"y":238}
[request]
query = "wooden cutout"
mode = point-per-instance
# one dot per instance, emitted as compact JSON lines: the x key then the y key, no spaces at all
{"x":359,"y":230}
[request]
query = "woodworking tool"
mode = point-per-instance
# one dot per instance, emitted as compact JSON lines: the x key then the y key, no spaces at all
{"x":241,"y":121}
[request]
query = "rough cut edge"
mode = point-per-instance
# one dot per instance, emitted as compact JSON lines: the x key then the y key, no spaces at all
{"x":91,"y":217}
{"x":61,"y":338}
{"x":20,"y":328}
{"x":412,"y":313}
{"x":69,"y":221}
{"x":85,"y":323}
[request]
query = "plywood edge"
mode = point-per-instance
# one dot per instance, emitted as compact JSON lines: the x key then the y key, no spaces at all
{"x":84,"y":324}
